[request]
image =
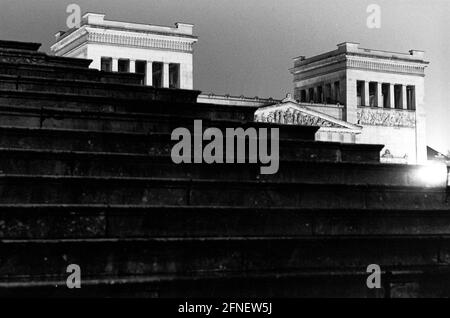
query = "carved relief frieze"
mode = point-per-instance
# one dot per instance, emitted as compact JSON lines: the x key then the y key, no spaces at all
{"x":142,"y":41}
{"x":386,"y":66}
{"x":293,"y":117}
{"x":386,"y":117}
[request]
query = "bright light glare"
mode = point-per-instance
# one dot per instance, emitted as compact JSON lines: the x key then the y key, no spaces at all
{"x":433,"y":174}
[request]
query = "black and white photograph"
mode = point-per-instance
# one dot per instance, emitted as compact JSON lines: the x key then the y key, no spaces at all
{"x":237,"y":152}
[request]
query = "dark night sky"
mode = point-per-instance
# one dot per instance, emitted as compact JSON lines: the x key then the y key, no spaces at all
{"x":246,"y":46}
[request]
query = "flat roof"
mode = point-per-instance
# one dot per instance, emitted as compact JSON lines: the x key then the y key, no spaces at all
{"x":98,"y":20}
{"x":352,"y":48}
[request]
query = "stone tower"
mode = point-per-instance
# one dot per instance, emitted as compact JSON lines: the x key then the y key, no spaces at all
{"x":381,"y":91}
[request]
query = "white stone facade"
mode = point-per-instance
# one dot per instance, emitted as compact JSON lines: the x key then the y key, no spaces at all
{"x":163,"y":54}
{"x":381,"y":91}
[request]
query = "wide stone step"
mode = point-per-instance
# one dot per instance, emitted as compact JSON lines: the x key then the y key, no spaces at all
{"x":68,"y":72}
{"x":209,"y":285}
{"x":16,"y":189}
{"x":78,"y":163}
{"x":89,"y":88}
{"x":153,"y":256}
{"x":131,"y":122}
{"x":336,"y":283}
{"x":161,"y":144}
{"x":119,"y":221}
{"x":163,"y":101}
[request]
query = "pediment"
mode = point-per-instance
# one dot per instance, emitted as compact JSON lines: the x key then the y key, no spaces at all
{"x":291,"y":113}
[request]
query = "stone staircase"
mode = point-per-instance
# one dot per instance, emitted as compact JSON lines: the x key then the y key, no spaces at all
{"x":86,"y":178}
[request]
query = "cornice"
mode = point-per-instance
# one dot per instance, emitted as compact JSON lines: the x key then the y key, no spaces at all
{"x":171,"y":42}
{"x":362,"y":63}
{"x":392,"y":66}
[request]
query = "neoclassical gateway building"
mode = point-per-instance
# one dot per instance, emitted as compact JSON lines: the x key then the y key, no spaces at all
{"x":163,"y":54}
{"x":377,"y":96}
{"x":356,"y":95}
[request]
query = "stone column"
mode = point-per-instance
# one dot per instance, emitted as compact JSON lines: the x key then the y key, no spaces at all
{"x":391,"y":96}
{"x":341,"y":96}
{"x":132,"y":66}
{"x":115,"y":65}
{"x":404,"y":105}
{"x":149,"y":74}
{"x":316,"y":96}
{"x":333,"y":93}
{"x":379,"y":95}
{"x":366,"y":101}
{"x":307,"y":100}
{"x":166,"y":75}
